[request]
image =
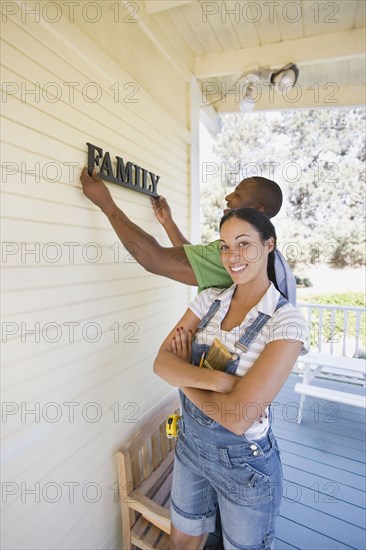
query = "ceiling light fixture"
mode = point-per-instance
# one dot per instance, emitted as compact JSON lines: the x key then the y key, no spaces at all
{"x":281,"y":79}
{"x":284,"y":78}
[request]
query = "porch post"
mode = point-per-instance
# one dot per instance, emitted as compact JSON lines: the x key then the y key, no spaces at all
{"x":194,"y":159}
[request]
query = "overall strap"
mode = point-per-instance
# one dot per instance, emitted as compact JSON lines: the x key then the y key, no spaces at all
{"x":211,"y":312}
{"x":282,"y":301}
{"x":253,"y":330}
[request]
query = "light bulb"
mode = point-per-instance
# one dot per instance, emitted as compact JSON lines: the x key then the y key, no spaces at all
{"x":285,"y":79}
{"x":247,"y":103}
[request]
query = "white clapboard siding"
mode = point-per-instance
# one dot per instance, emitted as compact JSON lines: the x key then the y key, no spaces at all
{"x":127,"y":45}
{"x":99,"y":317}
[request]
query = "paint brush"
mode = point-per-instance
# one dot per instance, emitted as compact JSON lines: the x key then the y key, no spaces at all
{"x":218,"y":356}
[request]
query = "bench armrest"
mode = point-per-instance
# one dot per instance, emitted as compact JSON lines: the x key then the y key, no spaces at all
{"x":156,"y":514}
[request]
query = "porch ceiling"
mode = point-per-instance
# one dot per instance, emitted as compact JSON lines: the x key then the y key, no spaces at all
{"x":219,"y":40}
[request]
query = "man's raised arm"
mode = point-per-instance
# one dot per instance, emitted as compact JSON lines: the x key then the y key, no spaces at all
{"x":163,"y":214}
{"x":170,"y":262}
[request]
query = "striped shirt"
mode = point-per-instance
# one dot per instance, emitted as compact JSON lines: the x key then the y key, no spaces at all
{"x":287,"y":323}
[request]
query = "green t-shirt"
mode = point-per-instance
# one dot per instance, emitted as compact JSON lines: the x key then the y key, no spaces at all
{"x":205,"y":260}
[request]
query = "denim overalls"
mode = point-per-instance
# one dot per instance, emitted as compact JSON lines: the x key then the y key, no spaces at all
{"x":214,"y":466}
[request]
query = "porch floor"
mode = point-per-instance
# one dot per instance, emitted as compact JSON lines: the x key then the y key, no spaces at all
{"x":324,"y":471}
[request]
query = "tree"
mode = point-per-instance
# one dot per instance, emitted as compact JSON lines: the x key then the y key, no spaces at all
{"x":317,"y":157}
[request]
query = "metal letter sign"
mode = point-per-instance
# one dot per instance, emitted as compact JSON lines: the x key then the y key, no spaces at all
{"x":128,"y":174}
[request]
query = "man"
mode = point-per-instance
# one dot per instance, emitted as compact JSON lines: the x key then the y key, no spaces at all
{"x":197,"y":265}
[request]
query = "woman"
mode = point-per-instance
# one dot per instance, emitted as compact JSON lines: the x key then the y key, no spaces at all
{"x":226,"y":454}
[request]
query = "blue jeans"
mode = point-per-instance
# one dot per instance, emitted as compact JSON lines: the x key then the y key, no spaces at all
{"x":214,"y":467}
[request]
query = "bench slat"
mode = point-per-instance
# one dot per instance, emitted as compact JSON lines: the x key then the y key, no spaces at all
{"x":157,"y":478}
{"x":163,"y":494}
{"x":140,"y":527}
{"x":140,"y":543}
{"x":136,"y":470}
{"x":152,"y":536}
{"x":146,"y":461}
{"x":163,"y":544}
{"x":146,"y":431}
{"x":331,"y":395}
{"x":164,"y":441}
{"x":155,"y":448}
{"x":348,"y":364}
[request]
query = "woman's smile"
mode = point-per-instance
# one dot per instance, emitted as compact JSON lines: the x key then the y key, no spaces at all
{"x":238,"y":268}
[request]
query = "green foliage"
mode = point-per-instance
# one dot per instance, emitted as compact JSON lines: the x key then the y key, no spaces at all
{"x":351,"y":299}
{"x":212,"y":204}
{"x":317,"y":157}
{"x":303,"y":281}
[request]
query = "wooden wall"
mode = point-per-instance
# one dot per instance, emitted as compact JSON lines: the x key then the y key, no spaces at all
{"x":82,"y":321}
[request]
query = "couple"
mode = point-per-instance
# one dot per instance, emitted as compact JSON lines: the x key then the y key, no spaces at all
{"x":226,"y":454}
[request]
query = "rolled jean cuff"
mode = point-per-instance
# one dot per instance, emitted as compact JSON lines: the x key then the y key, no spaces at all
{"x":192,"y":524}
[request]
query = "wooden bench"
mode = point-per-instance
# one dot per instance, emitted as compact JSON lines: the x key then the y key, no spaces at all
{"x":334,"y":367}
{"x":145,"y":468}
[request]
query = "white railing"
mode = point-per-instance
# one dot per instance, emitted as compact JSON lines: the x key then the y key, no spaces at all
{"x":336,"y":330}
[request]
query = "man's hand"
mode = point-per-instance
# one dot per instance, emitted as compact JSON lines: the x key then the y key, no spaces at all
{"x":171,"y":262}
{"x":164,"y":216}
{"x":95,"y":189}
{"x":162,"y":210}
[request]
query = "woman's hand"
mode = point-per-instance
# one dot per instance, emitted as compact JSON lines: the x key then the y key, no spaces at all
{"x":224,"y":382}
{"x":181,"y":344}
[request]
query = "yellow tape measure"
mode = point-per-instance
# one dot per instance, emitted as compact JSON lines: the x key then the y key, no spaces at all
{"x":172,"y":426}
